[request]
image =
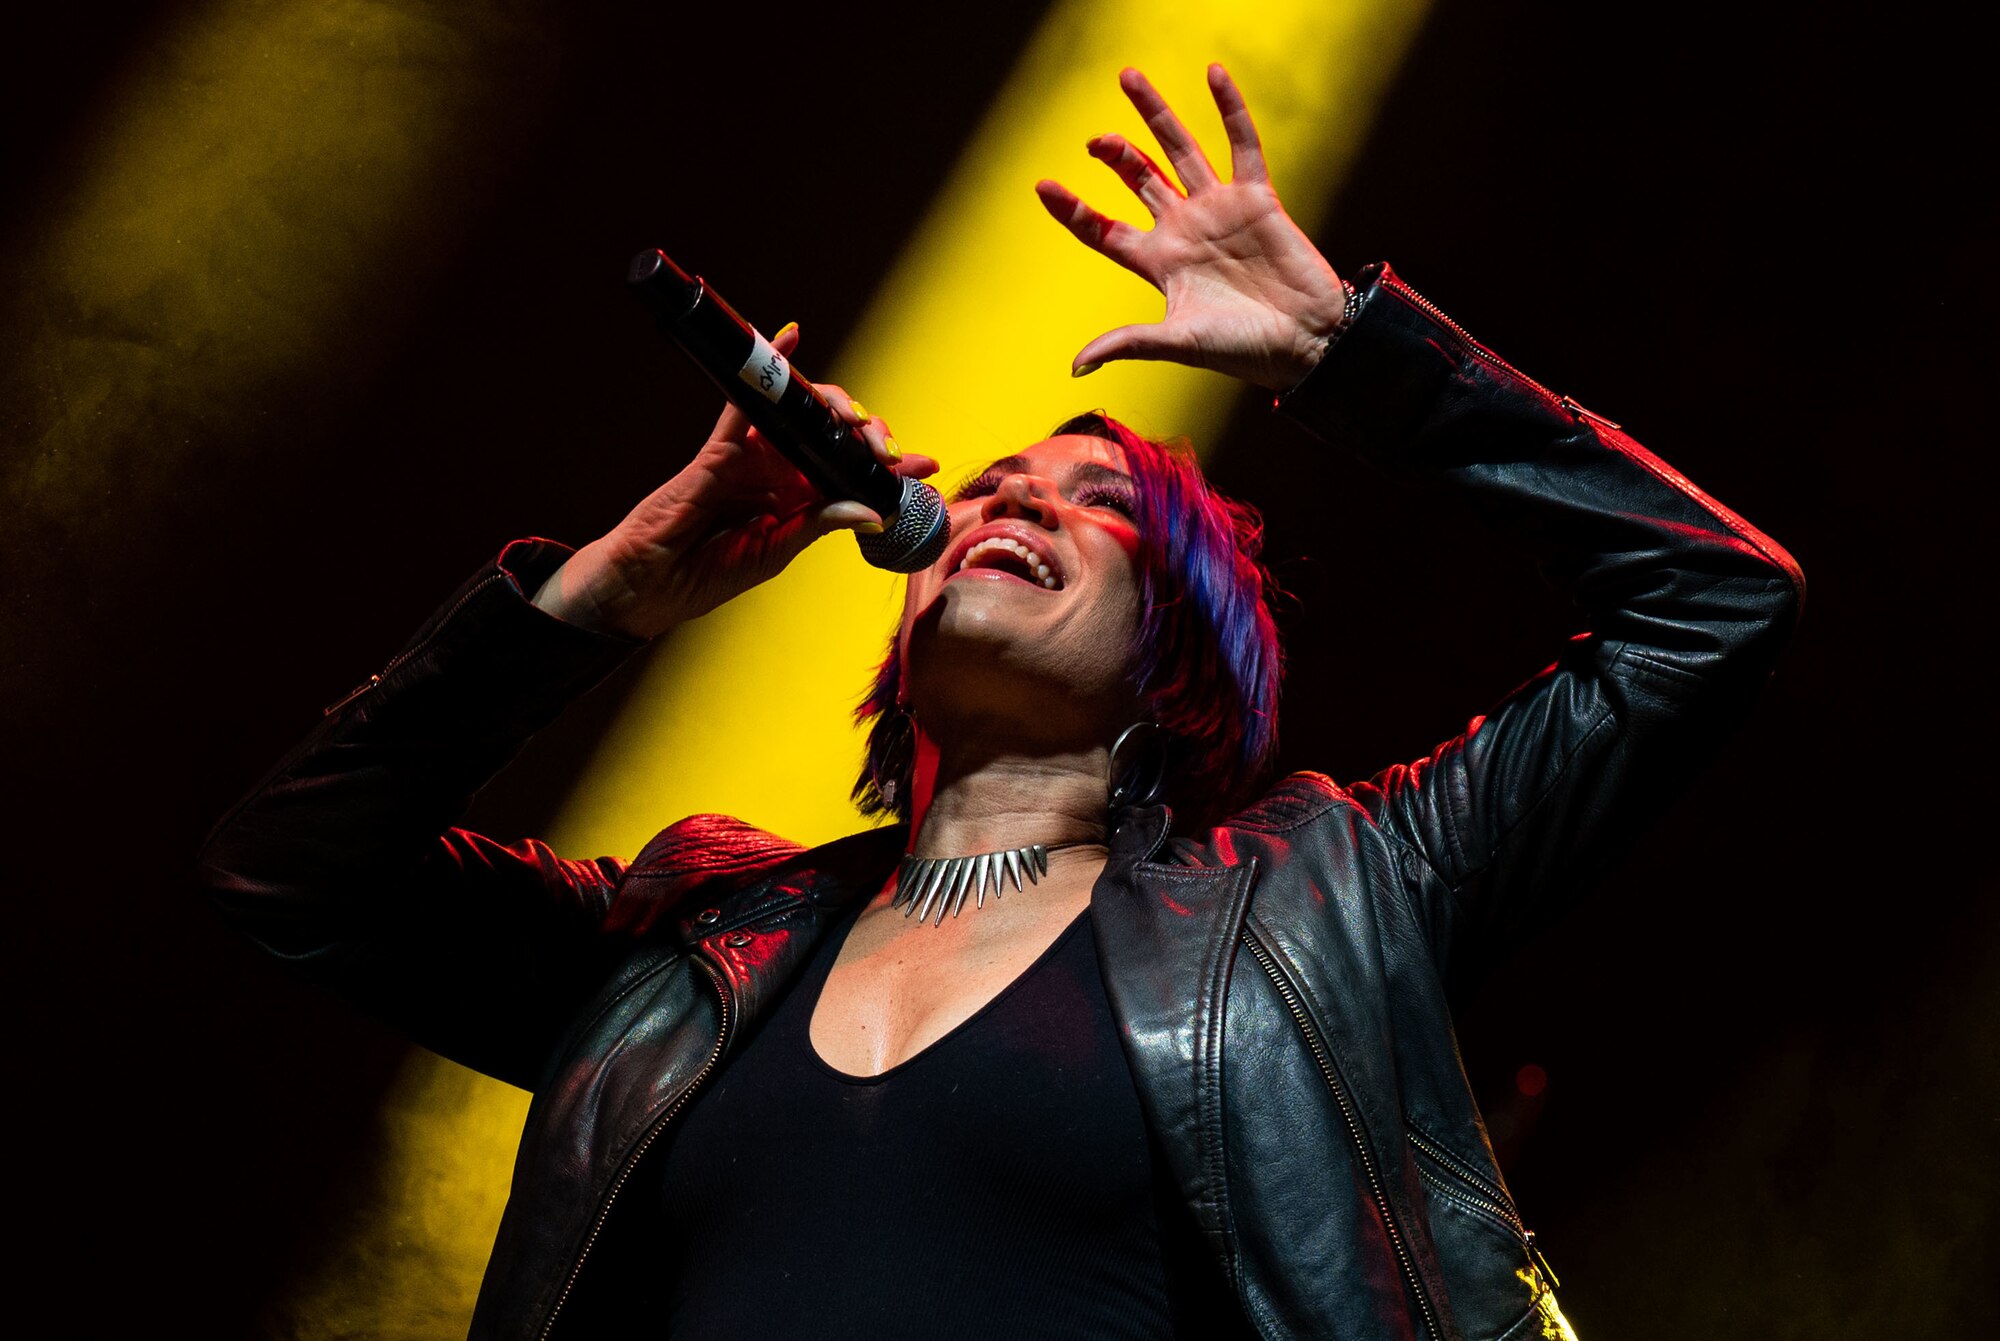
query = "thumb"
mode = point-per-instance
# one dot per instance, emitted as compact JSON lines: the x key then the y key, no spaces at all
{"x":1150,"y":341}
{"x":845,"y":512}
{"x":790,"y":534}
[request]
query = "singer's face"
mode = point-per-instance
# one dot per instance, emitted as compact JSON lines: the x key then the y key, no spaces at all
{"x":1038,"y":592}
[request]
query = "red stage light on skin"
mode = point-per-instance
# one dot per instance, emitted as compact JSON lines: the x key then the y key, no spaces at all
{"x":1531,"y":1080}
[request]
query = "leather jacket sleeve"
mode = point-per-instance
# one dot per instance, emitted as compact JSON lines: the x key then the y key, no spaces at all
{"x":1688,"y":606}
{"x":344,"y":861}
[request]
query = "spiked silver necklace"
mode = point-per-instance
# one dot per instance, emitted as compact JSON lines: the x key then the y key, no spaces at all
{"x":927,"y":885}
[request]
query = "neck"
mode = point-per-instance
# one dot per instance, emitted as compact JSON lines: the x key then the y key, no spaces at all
{"x":973,"y":797}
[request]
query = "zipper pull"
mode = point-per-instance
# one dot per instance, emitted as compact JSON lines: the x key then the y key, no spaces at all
{"x":1570,"y":403}
{"x":1541,"y":1262}
{"x":352,"y":694}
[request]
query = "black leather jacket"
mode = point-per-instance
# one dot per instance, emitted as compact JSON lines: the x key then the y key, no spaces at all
{"x":1280,"y":980}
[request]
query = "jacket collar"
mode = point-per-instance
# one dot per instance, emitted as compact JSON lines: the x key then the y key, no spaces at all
{"x":823,"y":878}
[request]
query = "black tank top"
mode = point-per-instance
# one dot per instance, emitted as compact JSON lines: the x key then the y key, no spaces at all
{"x":999,"y":1184}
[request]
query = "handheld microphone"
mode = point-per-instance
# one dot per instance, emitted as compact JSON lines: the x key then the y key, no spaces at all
{"x":791,"y":414}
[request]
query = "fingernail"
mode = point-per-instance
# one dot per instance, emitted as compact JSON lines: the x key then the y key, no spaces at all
{"x":859,"y":411}
{"x":1084,"y":369}
{"x":895,"y":452}
{"x":784,"y":330}
{"x":868,"y":528}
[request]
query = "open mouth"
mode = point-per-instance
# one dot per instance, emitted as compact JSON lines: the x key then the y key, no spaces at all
{"x":1006,"y":555}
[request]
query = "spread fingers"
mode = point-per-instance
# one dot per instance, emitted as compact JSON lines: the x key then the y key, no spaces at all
{"x":1246,"y":151}
{"x":1137,"y":171}
{"x":1180,"y":148}
{"x":1110,"y":237}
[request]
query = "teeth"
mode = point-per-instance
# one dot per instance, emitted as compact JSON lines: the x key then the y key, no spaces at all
{"x":1036,"y":565}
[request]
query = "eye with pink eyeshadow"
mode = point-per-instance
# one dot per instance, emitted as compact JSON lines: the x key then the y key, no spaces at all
{"x":1104,"y":496}
{"x":977,"y":487}
{"x":1091,"y":495}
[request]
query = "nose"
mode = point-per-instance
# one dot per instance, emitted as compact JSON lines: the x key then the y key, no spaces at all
{"x":1029,"y":497}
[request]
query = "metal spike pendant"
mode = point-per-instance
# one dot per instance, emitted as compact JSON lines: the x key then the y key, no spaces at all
{"x":1013,"y":860}
{"x":975,"y":876}
{"x":951,"y":890}
{"x":937,"y":885}
{"x":928,"y":882}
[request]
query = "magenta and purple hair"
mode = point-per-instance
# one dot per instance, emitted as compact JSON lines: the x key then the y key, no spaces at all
{"x":1205,"y":658}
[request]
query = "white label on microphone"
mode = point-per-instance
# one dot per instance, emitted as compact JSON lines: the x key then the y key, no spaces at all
{"x":766,"y":369}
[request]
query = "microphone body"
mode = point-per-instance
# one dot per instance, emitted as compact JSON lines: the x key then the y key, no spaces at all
{"x":789,"y":412}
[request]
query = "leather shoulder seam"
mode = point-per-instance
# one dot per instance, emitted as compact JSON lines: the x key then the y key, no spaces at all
{"x":710,"y":844}
{"x":1302,"y":797}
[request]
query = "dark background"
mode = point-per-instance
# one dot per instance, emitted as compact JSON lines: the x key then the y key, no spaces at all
{"x":1758,"y":236}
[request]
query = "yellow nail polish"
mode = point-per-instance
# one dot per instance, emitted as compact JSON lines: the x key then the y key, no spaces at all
{"x":895,"y":452}
{"x":859,"y":412}
{"x":784,"y":330}
{"x":1085,"y":370}
{"x":869,"y":528}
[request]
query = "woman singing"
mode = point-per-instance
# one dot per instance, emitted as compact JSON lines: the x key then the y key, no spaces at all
{"x":1107,"y":1033}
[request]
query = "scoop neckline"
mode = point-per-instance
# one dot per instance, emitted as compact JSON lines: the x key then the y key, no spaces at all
{"x":863,"y":1082}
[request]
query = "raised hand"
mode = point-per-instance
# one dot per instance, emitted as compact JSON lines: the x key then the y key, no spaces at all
{"x":1247,"y":292}
{"x":732,"y":518}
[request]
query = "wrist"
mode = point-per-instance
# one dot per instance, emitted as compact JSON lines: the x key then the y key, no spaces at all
{"x":551,"y":599}
{"x":1320,"y":330}
{"x":566,"y":596}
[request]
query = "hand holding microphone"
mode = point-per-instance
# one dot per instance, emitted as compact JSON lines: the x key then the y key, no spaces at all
{"x":791,"y":414}
{"x":732,"y":518}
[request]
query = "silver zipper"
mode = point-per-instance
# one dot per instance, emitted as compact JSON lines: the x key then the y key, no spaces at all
{"x":1381,"y":1199}
{"x":401,"y":657}
{"x":1481,"y":352}
{"x":1502,"y":1205}
{"x":1493,"y":1201}
{"x":645,"y":1143}
{"x":1466,"y":1197}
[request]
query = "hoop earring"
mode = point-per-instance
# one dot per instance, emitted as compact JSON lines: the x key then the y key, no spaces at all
{"x":1136,"y":772}
{"x":890,"y":756}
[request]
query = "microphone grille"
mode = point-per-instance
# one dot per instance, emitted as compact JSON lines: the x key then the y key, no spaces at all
{"x":916,"y":538}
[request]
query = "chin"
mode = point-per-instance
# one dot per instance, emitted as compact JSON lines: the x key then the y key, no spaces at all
{"x":986,"y":606}
{"x":964,"y":624}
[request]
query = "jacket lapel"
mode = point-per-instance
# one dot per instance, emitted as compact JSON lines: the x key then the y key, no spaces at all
{"x":761,"y":936}
{"x":1165,"y":944}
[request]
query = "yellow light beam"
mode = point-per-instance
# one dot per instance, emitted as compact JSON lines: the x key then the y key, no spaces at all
{"x":260,"y":177}
{"x":258,"y":201}
{"x":966,"y":353}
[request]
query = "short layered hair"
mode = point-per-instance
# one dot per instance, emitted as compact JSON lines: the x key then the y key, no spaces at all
{"x":1205,"y":658}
